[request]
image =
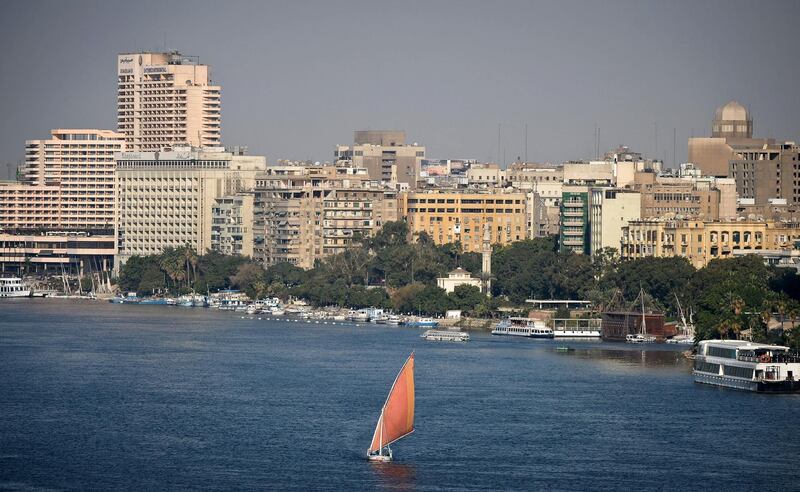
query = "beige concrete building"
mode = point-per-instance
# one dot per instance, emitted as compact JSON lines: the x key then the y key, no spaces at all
{"x":306,"y":213}
{"x":610,"y":210}
{"x":703,"y":241}
{"x":166,"y":99}
{"x":385,"y":156}
{"x":732,"y":128}
{"x":166,"y":199}
{"x":232,"y":225}
{"x":457,"y":277}
{"x":450,"y":216}
{"x":486,"y":175}
{"x":66,"y":184}
{"x":696,"y":197}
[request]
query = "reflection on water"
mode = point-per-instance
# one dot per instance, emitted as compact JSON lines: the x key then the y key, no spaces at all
{"x":396,"y":476}
{"x":654,"y":357}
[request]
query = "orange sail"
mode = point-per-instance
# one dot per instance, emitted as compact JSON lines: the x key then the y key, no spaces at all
{"x":397,"y":415}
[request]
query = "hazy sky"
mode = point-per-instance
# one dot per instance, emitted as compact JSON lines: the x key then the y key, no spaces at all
{"x":298,"y":77}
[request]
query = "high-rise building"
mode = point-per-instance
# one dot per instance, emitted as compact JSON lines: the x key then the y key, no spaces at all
{"x":66,"y":191}
{"x":385,"y":155}
{"x":166,"y":99}
{"x":166,"y":199}
{"x":66,"y":184}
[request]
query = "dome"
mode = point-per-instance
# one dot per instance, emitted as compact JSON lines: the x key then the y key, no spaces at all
{"x":733,"y":111}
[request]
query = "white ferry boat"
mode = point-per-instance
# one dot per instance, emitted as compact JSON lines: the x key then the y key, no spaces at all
{"x":747,"y":366}
{"x":446,"y":336}
{"x":13,"y":287}
{"x":576,"y":328}
{"x":523,"y":327}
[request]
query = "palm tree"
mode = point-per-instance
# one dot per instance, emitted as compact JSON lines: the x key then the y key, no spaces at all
{"x":722,"y":328}
{"x":190,"y":257}
{"x":737,"y":305}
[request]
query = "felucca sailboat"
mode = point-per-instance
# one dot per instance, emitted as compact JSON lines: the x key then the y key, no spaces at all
{"x":397,"y":415}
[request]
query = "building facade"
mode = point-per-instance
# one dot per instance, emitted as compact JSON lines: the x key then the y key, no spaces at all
{"x":56,"y":253}
{"x":66,"y":184}
{"x":166,"y":199}
{"x":610,"y":210}
{"x":702,"y":241}
{"x":574,"y":231}
{"x":232,"y":225}
{"x":385,"y":156}
{"x":306,"y":213}
{"x":449,"y":216}
{"x":165,"y":100}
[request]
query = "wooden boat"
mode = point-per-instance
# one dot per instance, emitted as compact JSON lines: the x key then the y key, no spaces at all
{"x":397,"y":415}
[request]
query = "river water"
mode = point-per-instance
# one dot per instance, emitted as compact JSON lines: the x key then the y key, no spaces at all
{"x":102,"y":396}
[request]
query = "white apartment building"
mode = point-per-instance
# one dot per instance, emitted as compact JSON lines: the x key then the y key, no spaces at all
{"x":610,"y":210}
{"x":166,"y":99}
{"x":166,"y":199}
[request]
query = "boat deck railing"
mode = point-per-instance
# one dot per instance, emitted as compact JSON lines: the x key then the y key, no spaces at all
{"x":779,"y":358}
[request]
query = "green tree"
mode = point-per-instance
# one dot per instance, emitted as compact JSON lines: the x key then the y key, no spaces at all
{"x":466,"y":298}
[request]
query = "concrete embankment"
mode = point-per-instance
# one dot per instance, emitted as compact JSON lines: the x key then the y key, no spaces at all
{"x":469,"y":324}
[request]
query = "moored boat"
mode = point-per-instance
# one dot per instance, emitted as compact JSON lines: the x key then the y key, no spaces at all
{"x":747,"y":366}
{"x":446,"y":336}
{"x":397,"y":415}
{"x":523,"y":327}
{"x":13,"y":287}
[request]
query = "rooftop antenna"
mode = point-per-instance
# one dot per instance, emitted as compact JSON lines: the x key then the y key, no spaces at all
{"x":526,"y":142}
{"x":655,"y":126}
{"x":498,"y":140}
{"x":674,"y":147}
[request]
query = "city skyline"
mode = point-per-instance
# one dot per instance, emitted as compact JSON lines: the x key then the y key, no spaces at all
{"x":297,"y":79}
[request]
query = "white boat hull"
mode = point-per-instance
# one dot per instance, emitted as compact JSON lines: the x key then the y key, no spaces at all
{"x":19,"y":293}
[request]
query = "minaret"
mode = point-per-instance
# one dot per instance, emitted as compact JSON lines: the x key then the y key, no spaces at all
{"x":486,"y":269}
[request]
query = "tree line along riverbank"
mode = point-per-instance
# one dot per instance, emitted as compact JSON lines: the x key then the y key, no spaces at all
{"x":728,"y":297}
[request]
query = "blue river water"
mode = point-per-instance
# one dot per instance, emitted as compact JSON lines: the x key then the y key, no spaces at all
{"x":101,"y":396}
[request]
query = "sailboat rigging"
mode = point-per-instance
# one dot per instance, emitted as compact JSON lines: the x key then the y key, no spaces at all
{"x":397,"y":414}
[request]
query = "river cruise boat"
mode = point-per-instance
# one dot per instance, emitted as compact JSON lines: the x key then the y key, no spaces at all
{"x":423,"y":323}
{"x":747,"y":366}
{"x":445,"y":336}
{"x":576,"y":328}
{"x":13,"y":287}
{"x":523,"y":327}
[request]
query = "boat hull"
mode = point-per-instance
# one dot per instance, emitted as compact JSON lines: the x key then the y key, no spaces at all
{"x":785,"y":386}
{"x":20,"y":293}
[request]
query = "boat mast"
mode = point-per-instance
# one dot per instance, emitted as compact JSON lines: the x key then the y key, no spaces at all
{"x":644,"y":323}
{"x":380,"y":442}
